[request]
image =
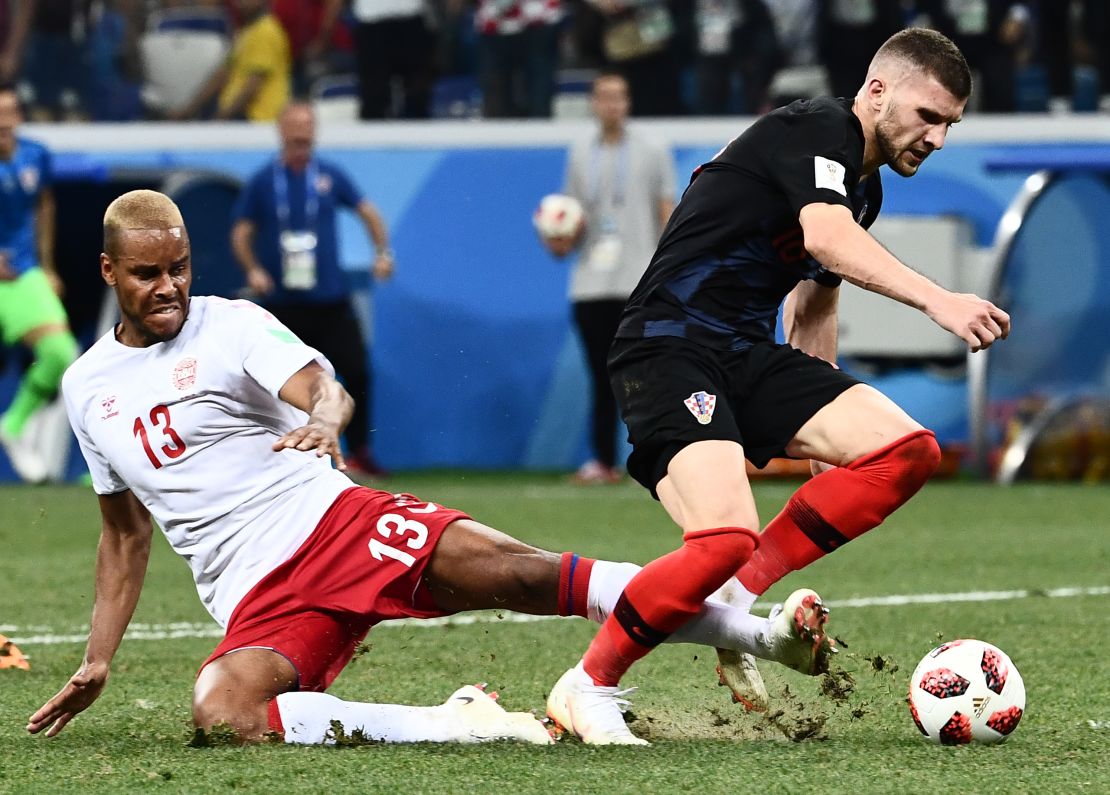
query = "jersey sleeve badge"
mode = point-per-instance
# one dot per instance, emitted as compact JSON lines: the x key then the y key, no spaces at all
{"x":829,"y":174}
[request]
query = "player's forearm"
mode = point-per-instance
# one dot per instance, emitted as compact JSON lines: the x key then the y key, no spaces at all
{"x":121,"y":561}
{"x":809,"y":319}
{"x":850,"y":252}
{"x":330,"y":404}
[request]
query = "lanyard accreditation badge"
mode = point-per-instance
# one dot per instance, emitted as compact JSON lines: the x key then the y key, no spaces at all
{"x":608,"y":198}
{"x":298,"y":246}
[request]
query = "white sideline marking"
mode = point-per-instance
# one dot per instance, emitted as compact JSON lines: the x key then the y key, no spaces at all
{"x":47,"y":636}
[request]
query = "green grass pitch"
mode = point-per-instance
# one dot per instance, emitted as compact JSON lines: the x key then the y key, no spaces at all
{"x":953,"y":538}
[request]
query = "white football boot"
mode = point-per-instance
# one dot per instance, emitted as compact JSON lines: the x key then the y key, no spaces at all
{"x":796,"y":636}
{"x":592,"y":712}
{"x":737,"y":671}
{"x":482,"y":719}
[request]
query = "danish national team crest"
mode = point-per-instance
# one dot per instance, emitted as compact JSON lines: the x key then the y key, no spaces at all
{"x":701,"y":405}
{"x":185,"y":373}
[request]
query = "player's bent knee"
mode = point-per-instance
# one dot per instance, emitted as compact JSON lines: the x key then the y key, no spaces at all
{"x":218,"y":711}
{"x":916,"y":458}
{"x":906,"y":464}
{"x":925,"y":455}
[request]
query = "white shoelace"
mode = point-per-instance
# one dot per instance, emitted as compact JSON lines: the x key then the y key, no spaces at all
{"x":601,"y":699}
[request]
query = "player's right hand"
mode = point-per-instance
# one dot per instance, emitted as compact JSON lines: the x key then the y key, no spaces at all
{"x":975,"y":320}
{"x":82,"y":689}
{"x":317,"y":436}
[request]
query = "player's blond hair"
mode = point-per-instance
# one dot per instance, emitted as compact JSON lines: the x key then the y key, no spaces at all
{"x":138,"y":209}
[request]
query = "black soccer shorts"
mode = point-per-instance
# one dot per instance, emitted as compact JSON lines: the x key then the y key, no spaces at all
{"x":673,"y":392}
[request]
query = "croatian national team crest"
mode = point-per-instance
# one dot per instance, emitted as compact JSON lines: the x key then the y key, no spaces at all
{"x":701,"y":405}
{"x":185,"y":373}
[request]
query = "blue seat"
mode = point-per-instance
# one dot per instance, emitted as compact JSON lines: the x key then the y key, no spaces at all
{"x":1031,"y":89}
{"x":457,"y":97}
{"x":334,"y":86}
{"x":201,"y":19}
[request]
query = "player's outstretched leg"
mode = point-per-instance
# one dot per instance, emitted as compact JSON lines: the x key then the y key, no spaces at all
{"x":475,"y":567}
{"x":470,"y":715}
{"x":251,"y":692}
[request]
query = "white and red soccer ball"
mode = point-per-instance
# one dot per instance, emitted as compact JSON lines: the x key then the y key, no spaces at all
{"x":966,"y":691}
{"x":558,"y":215}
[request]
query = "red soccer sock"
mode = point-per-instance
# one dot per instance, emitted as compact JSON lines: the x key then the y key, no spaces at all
{"x":273,"y":717}
{"x":839,"y":505}
{"x":663,"y":596}
{"x":574,"y":584}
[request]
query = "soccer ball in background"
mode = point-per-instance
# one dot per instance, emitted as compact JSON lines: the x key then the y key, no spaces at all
{"x":558,"y":216}
{"x":966,"y":691}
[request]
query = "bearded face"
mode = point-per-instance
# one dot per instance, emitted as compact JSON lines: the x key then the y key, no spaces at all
{"x":915,"y":122}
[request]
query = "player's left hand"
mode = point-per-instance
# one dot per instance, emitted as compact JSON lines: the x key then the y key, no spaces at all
{"x":316,"y":436}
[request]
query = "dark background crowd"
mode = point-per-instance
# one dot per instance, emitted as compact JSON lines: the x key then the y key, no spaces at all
{"x":94,"y":59}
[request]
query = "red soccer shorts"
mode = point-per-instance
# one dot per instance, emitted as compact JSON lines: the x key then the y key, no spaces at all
{"x":364,"y":563}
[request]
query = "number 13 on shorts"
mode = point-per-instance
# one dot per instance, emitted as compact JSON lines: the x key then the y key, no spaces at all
{"x":396,"y":527}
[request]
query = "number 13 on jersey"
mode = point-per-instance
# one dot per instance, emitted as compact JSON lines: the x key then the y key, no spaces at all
{"x":160,"y":420}
{"x":393,"y":525}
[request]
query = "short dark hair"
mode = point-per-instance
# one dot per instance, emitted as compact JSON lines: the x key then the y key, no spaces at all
{"x":935,"y":54}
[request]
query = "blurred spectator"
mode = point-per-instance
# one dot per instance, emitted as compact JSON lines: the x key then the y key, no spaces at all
{"x":737,"y":48}
{"x":394,"y":49}
{"x":48,"y":47}
{"x":796,"y":29}
{"x":626,"y":184}
{"x":254,"y":82}
{"x":992,"y":34}
{"x":850,"y":32}
{"x":319,"y":41}
{"x":285,"y":238}
{"x":639,"y":42}
{"x":517,"y":55}
{"x":1093,"y":39}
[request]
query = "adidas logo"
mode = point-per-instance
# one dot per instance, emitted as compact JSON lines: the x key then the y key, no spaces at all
{"x":980,"y":705}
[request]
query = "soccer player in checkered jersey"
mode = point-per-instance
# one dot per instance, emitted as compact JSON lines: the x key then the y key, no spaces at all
{"x":780,"y":214}
{"x":213,"y":418}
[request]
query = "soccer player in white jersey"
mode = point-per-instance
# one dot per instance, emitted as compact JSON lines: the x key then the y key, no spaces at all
{"x":210,"y":416}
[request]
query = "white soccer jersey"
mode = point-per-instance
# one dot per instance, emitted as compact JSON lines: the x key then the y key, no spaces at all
{"x":187,"y":426}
